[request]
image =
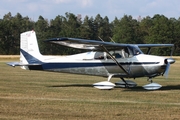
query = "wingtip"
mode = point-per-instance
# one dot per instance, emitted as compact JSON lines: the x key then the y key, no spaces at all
{"x":56,"y":39}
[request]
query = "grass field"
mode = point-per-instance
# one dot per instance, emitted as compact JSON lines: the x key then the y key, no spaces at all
{"x":44,"y":95}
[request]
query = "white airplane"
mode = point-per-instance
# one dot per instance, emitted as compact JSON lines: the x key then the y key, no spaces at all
{"x":105,"y":59}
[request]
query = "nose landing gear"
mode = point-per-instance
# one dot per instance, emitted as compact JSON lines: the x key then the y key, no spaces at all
{"x":152,"y":85}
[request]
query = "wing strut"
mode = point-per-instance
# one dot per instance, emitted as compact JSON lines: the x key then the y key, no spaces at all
{"x":114,"y":59}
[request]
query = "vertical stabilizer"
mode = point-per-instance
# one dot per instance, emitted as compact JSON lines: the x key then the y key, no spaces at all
{"x":29,"y":49}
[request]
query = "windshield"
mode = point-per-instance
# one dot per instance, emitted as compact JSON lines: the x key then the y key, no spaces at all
{"x":134,"y":50}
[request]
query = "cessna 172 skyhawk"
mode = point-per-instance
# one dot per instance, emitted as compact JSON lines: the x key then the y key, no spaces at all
{"x":105,"y":59}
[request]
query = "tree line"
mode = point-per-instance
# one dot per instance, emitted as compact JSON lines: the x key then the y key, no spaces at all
{"x":156,"y":29}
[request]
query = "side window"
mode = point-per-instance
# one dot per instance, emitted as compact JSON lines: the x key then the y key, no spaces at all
{"x":99,"y":55}
{"x":115,"y":54}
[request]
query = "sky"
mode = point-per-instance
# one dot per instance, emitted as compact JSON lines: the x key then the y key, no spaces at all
{"x":49,"y":9}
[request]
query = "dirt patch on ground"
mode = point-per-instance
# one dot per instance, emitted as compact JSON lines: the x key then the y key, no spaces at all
{"x":9,"y":56}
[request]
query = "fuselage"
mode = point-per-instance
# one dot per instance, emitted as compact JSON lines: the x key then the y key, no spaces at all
{"x":105,"y":59}
{"x":86,"y":63}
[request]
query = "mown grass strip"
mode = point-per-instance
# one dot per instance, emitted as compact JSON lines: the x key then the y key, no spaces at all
{"x":46,"y":95}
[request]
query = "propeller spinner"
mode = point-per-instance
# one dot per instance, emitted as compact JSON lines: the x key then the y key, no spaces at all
{"x":168,"y":61}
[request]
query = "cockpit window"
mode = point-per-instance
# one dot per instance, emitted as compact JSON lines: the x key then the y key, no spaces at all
{"x":129,"y":52}
{"x":99,"y":55}
{"x":126,"y":52}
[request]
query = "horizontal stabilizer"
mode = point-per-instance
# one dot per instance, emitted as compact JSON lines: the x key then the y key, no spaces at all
{"x":13,"y":64}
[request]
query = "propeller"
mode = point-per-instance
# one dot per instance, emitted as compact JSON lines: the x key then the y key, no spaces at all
{"x":167,"y":70}
{"x":168,"y":61}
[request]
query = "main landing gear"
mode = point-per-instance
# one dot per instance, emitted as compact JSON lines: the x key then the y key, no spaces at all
{"x":108,"y":85}
{"x":105,"y":85}
{"x":125,"y":83}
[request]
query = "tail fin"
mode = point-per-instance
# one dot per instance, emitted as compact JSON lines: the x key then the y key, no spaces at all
{"x":29,"y":49}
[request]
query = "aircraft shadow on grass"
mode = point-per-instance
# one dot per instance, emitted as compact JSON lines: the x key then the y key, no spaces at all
{"x":72,"y":85}
{"x":163,"y":88}
{"x":137,"y":88}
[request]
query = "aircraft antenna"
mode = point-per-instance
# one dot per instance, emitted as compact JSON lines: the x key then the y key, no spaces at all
{"x":100,"y":38}
{"x":112,"y":39}
{"x":172,"y":50}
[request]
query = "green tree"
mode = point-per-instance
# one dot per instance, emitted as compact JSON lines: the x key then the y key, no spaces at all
{"x":160,"y":32}
{"x":145,"y":25}
{"x":71,"y":26}
{"x":85,"y":29}
{"x":158,"y":29}
{"x":126,"y":30}
{"x":41,"y":27}
{"x":53,"y":31}
{"x":105,"y":30}
{"x":176,"y":35}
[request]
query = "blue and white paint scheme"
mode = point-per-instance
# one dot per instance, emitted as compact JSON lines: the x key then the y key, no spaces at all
{"x":103,"y":59}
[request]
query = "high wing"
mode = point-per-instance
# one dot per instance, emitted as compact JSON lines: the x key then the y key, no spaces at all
{"x":97,"y":45}
{"x":154,"y":45}
{"x":86,"y":44}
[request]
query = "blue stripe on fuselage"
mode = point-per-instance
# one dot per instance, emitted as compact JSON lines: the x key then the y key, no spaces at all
{"x":70,"y":65}
{"x":82,"y":65}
